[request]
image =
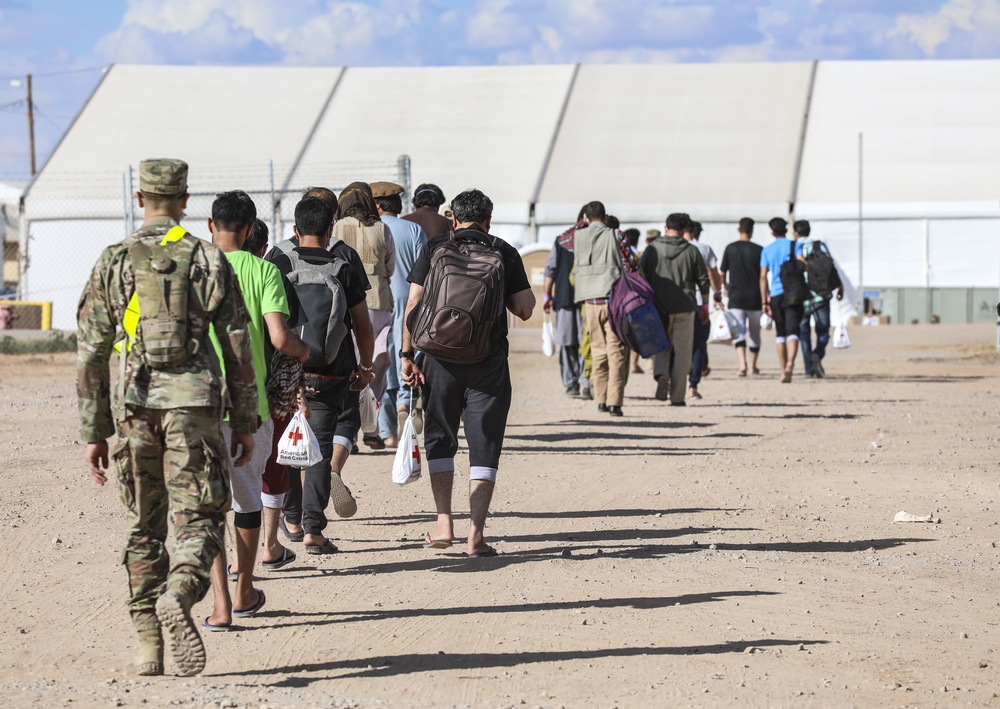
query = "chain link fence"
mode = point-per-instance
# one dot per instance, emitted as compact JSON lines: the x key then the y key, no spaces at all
{"x":60,"y":233}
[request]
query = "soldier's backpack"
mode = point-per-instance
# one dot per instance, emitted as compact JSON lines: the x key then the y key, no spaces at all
{"x":793,"y":279}
{"x":462,"y":299}
{"x":162,"y":276}
{"x":323,"y":305}
{"x":823,"y":276}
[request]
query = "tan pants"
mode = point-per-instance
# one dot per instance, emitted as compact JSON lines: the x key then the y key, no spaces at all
{"x":680,"y":332}
{"x":610,"y":357}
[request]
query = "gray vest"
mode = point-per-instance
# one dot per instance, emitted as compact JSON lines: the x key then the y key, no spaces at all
{"x":596,"y":264}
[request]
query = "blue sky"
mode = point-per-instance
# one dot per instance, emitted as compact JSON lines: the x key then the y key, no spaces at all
{"x":52,"y":37}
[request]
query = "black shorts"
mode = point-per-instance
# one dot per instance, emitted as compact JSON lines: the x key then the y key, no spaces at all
{"x":786,"y":317}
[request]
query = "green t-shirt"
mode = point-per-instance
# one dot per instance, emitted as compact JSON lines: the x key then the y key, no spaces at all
{"x":263,"y":292}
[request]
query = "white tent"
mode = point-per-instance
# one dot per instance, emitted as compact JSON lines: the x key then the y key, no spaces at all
{"x":719,"y":141}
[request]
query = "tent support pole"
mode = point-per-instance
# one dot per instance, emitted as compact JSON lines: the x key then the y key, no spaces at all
{"x":533,"y":225}
{"x":794,"y":195}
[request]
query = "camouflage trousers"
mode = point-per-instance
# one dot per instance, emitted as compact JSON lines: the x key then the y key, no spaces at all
{"x":170,"y":459}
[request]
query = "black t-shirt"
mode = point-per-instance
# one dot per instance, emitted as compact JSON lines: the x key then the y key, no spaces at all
{"x":515,"y":279}
{"x":354,"y":291}
{"x":741,"y":260}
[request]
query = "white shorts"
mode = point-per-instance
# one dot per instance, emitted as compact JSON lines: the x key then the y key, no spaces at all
{"x":247,"y":481}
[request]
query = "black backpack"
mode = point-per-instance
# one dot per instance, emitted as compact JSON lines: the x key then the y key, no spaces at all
{"x":462,"y":299}
{"x":823,"y":276}
{"x":793,"y":279}
{"x":323,"y":307}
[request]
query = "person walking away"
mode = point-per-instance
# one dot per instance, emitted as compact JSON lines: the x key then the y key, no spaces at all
{"x":676,"y":270}
{"x":702,"y":326}
{"x":168,"y":409}
{"x":427,"y":200}
{"x":633,"y":241}
{"x":410,"y":239}
{"x":740,"y":270}
{"x":358,"y":225}
{"x":285,"y":395}
{"x":329,"y":376}
{"x":463,"y":381}
{"x":559,"y":296}
{"x":823,"y":281}
{"x":787,"y":315}
{"x":599,"y":254}
{"x":233,"y":217}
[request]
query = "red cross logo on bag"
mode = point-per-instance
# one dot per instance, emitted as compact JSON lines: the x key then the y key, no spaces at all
{"x":296,"y":436}
{"x":416,"y":454}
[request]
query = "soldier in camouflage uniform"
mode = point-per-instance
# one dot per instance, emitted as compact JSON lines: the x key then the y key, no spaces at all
{"x":170,"y":454}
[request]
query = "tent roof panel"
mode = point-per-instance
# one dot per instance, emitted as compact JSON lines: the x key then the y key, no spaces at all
{"x":678,"y":134}
{"x":216,"y":118}
{"x":484,"y":127}
{"x":931,"y":134}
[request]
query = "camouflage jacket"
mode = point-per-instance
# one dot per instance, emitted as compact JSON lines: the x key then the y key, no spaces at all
{"x":214,"y":298}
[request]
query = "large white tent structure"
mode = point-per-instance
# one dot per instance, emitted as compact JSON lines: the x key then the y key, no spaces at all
{"x":720,"y":141}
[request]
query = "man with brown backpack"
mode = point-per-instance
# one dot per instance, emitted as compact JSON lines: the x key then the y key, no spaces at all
{"x":460,"y":324}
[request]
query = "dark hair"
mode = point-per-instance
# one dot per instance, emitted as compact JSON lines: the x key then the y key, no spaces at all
{"x":612,"y":222}
{"x":392,"y":203}
{"x":323,"y":193}
{"x":694,"y":228}
{"x":802,"y":227}
{"x":633,"y":236}
{"x":579,"y":217}
{"x":313,"y":217}
{"x":257,"y":240}
{"x":678,"y":221}
{"x":746,"y":226}
{"x":779,"y":227}
{"x":594,"y":210}
{"x":428,"y":195}
{"x":471,"y":206}
{"x":160,"y":201}
{"x":233,"y":211}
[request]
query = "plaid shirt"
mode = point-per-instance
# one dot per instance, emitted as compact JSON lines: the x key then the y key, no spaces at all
{"x":284,"y":382}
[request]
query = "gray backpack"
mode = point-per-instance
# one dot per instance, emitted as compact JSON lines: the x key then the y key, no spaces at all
{"x":323,"y":304}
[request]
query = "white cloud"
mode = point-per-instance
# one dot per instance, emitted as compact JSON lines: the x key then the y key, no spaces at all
{"x":975,"y":23}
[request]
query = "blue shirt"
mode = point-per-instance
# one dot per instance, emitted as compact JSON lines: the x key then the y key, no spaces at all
{"x":772,"y":257}
{"x":410,"y":240}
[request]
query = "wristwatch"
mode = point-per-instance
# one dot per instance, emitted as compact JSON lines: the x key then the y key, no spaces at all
{"x":408,"y":354}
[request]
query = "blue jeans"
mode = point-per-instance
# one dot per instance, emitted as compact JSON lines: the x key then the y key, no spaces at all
{"x":822,"y":314}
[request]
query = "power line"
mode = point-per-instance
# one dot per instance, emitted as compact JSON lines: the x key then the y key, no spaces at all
{"x":58,"y":73}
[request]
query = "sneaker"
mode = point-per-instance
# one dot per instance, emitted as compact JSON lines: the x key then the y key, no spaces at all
{"x":615,"y":411}
{"x":186,"y":646}
{"x":344,"y":503}
{"x":586,"y":394}
{"x":573,"y":391}
{"x":662,"y":389}
{"x":418,"y":420}
{"x":602,"y":408}
{"x":374,"y":441}
{"x":401,"y":417}
{"x":817,"y":365}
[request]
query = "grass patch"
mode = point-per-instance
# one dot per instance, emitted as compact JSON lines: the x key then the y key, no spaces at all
{"x":57,"y":342}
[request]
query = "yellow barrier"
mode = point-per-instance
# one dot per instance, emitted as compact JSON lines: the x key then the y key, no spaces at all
{"x":44,"y":317}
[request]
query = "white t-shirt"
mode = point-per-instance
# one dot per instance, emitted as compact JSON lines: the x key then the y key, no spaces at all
{"x":708,"y":255}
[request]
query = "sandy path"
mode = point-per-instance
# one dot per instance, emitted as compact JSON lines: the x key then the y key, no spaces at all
{"x":739,"y":551}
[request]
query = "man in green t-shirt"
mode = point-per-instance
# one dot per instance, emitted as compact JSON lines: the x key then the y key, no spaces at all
{"x":233,"y":217}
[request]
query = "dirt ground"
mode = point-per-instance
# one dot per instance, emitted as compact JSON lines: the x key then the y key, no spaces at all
{"x":737,"y":552}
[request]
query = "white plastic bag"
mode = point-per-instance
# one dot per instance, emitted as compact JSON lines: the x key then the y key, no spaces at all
{"x":724,"y":327}
{"x":406,"y":466}
{"x":841,"y":340}
{"x":369,"y":411}
{"x":766,"y":321}
{"x":298,"y":447}
{"x":548,"y":337}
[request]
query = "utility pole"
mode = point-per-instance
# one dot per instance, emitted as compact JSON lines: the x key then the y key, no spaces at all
{"x":31,"y":127}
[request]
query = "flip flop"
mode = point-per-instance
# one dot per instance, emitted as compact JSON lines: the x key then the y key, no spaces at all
{"x":209,"y":628}
{"x":287,"y":557}
{"x":290,"y":536}
{"x":431,"y":543}
{"x":484,"y":552}
{"x":327,"y":547}
{"x":230,"y":574}
{"x":247,"y":612}
{"x":742,"y":373}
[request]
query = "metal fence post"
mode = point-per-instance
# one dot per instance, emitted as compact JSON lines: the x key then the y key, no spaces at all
{"x":130,"y":211}
{"x":126,"y":201}
{"x":273,"y":238}
{"x":403,"y":165}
